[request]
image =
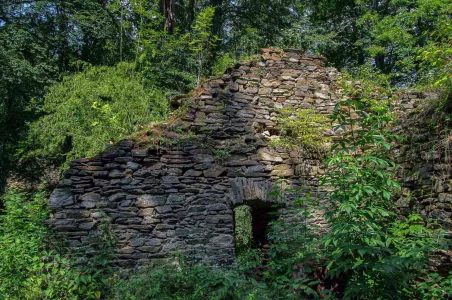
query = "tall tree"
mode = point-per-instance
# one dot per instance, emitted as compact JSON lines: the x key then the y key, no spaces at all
{"x":387,"y":34}
{"x":169,"y":15}
{"x":41,"y":40}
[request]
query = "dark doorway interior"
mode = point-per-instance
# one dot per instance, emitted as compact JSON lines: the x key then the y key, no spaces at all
{"x":261,"y":218}
{"x":261,"y":214}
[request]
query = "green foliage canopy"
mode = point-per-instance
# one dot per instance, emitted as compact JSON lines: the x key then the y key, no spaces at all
{"x":40,"y":42}
{"x":385,"y":34}
{"x":91,"y":109}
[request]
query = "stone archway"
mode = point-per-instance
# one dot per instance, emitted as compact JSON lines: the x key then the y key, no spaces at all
{"x":249,"y":189}
{"x":263,"y":208}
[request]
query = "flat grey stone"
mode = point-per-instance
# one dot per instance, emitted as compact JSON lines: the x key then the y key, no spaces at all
{"x":61,"y":197}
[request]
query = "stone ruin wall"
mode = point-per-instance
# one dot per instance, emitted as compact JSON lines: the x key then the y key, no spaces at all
{"x":425,"y":159}
{"x":181,"y":195}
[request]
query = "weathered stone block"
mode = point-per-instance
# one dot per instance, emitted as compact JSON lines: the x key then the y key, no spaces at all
{"x":215,"y":219}
{"x":149,"y":220}
{"x":281,"y":167}
{"x":145,"y":201}
{"x":117,"y":197}
{"x":151,"y":249}
{"x":269,"y":155}
{"x":214,"y":172}
{"x":113,"y":154}
{"x":146,"y":212}
{"x":61,"y":197}
{"x":86,"y":226}
{"x":91,"y":197}
{"x":176,"y":199}
{"x":126,"y":250}
{"x":170,"y":179}
{"x":133,"y":166}
{"x":140,"y":153}
{"x":202,"y":158}
{"x":222,"y":240}
{"x":116,"y":174}
{"x":217,"y":207}
{"x":137,"y":242}
{"x":163,"y":209}
{"x":192,"y":173}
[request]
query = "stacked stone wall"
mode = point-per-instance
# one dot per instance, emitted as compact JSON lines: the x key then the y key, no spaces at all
{"x":176,"y":190}
{"x":424,"y":156}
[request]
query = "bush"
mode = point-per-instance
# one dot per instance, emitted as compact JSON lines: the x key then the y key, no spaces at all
{"x":87,"y":111}
{"x":30,"y":265}
{"x":222,"y":63}
{"x":182,"y":281}
{"x":21,"y":241}
{"x":243,"y":228}
{"x":303,"y":127}
{"x":377,"y":254}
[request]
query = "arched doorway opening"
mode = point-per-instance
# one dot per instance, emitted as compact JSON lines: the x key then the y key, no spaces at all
{"x":252,"y":224}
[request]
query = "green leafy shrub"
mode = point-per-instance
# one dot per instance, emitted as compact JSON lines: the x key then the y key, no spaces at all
{"x":436,"y":62}
{"x":182,"y":281}
{"x":368,"y":246}
{"x":21,"y":241}
{"x":203,"y":40}
{"x":166,"y":61}
{"x":221,"y":154}
{"x":31,"y":267}
{"x":303,"y":127}
{"x":295,"y":247}
{"x":89,"y":110}
{"x":434,"y":286}
{"x":243,"y":227}
{"x":222,"y":63}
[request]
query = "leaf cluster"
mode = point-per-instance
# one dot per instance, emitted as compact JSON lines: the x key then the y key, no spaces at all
{"x":302,"y":127}
{"x":377,"y":253}
{"x":90,"y":110}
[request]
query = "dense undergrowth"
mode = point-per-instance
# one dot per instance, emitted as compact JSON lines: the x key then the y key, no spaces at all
{"x":368,"y":252}
{"x":34,"y":262}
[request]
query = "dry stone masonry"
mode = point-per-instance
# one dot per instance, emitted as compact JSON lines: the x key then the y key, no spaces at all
{"x":425,"y":158}
{"x":175,"y":187}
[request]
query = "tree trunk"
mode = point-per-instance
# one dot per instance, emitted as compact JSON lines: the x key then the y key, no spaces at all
{"x":380,"y":62}
{"x":170,"y":16}
{"x":61,"y":20}
{"x":191,"y":13}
